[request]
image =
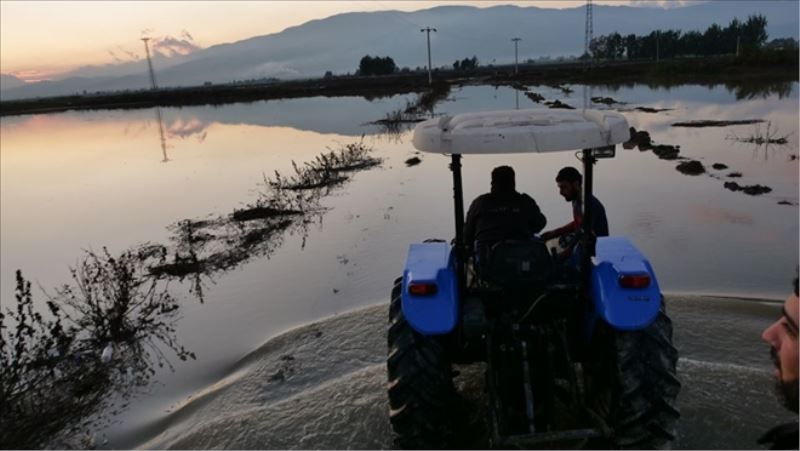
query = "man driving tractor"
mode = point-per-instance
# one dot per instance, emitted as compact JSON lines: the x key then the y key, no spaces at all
{"x":501,"y":214}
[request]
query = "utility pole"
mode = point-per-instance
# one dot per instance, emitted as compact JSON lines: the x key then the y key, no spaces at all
{"x":588,"y":32}
{"x":150,"y":64}
{"x":516,"y":62}
{"x":658,"y":38}
{"x":428,"y":30}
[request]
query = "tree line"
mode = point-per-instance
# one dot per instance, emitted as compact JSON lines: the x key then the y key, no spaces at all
{"x":715,"y":40}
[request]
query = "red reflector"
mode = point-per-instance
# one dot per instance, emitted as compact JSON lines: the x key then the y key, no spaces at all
{"x":422,"y":289}
{"x":635,"y":281}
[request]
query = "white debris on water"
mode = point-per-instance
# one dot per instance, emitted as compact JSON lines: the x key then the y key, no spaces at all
{"x":108,"y":353}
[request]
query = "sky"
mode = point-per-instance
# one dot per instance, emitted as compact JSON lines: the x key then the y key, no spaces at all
{"x":41,"y":39}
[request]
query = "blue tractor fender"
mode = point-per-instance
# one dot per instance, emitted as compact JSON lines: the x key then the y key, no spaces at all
{"x":429,"y":296}
{"x":624,"y":289}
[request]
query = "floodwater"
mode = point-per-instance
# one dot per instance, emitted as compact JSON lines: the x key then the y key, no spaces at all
{"x":87,"y":180}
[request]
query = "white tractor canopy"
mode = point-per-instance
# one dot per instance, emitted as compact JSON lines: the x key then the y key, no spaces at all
{"x":521,"y":131}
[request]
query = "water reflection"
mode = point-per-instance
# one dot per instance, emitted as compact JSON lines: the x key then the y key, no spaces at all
{"x":160,"y":122}
{"x":741,"y":91}
{"x":398,"y":122}
{"x":119,"y":318}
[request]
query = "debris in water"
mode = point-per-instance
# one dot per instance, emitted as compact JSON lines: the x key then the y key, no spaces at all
{"x":735,"y":174}
{"x":645,"y":109}
{"x":559,"y":104}
{"x":108,"y":353}
{"x":535,"y":96}
{"x":719,"y":166}
{"x":785,"y":202}
{"x":666,"y":151}
{"x":753,"y":190}
{"x":562,"y":88}
{"x":692,"y":167}
{"x":712,"y":123}
{"x":413,"y":161}
{"x":259,"y":212}
{"x":638,"y":138}
{"x":606,"y":100}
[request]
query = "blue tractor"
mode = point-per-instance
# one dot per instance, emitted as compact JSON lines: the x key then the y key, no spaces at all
{"x":577,"y":352}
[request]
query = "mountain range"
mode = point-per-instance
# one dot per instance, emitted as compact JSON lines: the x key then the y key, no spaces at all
{"x":337,"y":43}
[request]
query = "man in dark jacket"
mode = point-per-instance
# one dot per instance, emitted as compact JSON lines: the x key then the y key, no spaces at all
{"x":502,"y":214}
{"x":570,"y":186}
{"x":782,"y":339}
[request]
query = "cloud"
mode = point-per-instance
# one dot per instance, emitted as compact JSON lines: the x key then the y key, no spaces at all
{"x":270,"y":69}
{"x":169,"y":46}
{"x":666,"y":4}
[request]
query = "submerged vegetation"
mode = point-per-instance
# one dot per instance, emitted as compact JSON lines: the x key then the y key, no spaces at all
{"x":98,"y":344}
{"x":759,"y":137}
{"x":401,"y":120}
{"x":67,"y":371}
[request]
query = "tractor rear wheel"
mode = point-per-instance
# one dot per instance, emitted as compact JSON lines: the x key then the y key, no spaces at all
{"x":632,"y":383}
{"x":421,"y":393}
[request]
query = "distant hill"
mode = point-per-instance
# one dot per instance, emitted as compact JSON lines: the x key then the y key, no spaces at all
{"x":8,"y":81}
{"x":337,"y":43}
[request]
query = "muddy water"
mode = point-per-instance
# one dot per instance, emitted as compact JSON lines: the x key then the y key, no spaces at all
{"x":332,"y":391}
{"x":74,"y":181}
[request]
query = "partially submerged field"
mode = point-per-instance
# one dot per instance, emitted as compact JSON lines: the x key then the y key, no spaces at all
{"x":323,"y":386}
{"x":725,"y":69}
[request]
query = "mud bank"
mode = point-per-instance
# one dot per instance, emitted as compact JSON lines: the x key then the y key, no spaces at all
{"x":322,"y":386}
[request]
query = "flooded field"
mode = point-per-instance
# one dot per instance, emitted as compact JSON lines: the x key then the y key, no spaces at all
{"x":79,"y":181}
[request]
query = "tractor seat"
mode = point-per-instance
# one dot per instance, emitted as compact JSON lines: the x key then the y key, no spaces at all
{"x":516,"y":263}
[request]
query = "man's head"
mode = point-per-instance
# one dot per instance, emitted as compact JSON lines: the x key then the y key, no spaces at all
{"x":503,"y":179}
{"x":782,"y":338}
{"x":569,"y":182}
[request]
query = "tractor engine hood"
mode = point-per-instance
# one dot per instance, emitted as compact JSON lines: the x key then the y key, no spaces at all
{"x":521,"y":131}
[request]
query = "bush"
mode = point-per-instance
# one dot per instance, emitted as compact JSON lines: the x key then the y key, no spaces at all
{"x":99,"y":343}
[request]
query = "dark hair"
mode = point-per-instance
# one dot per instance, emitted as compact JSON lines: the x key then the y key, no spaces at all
{"x":569,"y":174}
{"x":503,"y":179}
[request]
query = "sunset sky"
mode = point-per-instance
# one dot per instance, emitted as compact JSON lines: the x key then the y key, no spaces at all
{"x":40,"y":39}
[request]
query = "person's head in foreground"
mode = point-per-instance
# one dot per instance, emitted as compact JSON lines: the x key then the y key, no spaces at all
{"x":782,"y":339}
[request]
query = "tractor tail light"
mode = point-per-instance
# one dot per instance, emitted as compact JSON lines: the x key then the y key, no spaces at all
{"x":422,"y":289}
{"x":635,"y":281}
